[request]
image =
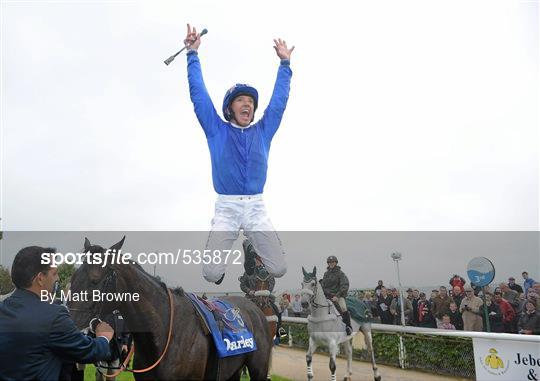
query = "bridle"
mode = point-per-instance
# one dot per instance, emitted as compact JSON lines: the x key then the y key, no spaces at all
{"x":263,"y":300}
{"x":313,"y":295}
{"x":107,"y":285}
{"x":110,"y":282}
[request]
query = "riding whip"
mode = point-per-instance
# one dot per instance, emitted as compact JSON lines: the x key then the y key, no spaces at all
{"x":171,"y":58}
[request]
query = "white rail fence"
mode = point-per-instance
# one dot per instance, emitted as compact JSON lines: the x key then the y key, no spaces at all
{"x":436,"y":332}
{"x":431,"y":334}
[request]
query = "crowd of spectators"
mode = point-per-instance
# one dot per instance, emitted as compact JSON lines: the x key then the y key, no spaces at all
{"x":511,"y":308}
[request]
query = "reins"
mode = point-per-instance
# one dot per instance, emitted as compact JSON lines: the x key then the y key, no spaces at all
{"x":110,"y":282}
{"x":124,"y":365}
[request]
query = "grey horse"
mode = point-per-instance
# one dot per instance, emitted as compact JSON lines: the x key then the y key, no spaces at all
{"x":326,"y":329}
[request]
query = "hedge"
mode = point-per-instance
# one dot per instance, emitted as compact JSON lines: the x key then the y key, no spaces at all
{"x":434,"y":354}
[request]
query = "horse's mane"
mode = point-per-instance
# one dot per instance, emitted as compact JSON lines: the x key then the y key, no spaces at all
{"x":177,"y":290}
{"x":155,"y":278}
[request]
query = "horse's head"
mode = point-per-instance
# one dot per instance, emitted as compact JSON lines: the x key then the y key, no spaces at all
{"x":91,"y":278}
{"x":309,"y":286}
{"x":262,"y":286}
{"x":262,"y":277}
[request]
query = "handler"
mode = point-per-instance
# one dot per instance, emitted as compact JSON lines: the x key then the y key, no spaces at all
{"x":239,"y":152}
{"x":36,"y":337}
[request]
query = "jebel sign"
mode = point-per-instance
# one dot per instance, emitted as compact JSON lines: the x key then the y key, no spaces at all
{"x":505,"y":360}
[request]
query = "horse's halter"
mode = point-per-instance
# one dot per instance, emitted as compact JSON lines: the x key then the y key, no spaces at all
{"x":313,"y":294}
{"x":262,"y":284}
{"x":108,"y":284}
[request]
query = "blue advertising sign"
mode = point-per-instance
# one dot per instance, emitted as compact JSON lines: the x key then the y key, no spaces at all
{"x":480,"y":271}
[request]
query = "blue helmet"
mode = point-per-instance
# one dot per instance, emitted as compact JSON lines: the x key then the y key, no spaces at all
{"x":235,"y":91}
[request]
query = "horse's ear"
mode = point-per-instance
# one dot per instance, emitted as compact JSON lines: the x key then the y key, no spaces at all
{"x":314,"y":270}
{"x":87,"y":244}
{"x":117,"y":246}
{"x":304,"y":271}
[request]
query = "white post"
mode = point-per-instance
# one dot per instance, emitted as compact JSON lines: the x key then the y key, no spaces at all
{"x":396,"y":257}
{"x":401,"y":352}
{"x":400,"y":294}
{"x":290,"y":337}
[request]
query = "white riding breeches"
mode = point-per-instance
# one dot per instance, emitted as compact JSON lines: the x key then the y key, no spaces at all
{"x":248,"y":213}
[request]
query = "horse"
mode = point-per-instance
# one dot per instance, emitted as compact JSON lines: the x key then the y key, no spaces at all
{"x":170,"y":339}
{"x":326,"y":329}
{"x":262,"y":299}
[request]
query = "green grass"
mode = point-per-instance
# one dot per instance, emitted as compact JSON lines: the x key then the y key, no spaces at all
{"x":90,"y":375}
{"x":279,"y":378}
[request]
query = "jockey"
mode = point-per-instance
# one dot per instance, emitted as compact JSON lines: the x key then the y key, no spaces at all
{"x":248,"y":281}
{"x":239,"y":152}
{"x":335,"y":285}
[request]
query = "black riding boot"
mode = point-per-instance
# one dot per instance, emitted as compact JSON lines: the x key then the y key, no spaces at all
{"x":280,"y":330}
{"x":346,"y":316}
{"x":249,"y":257}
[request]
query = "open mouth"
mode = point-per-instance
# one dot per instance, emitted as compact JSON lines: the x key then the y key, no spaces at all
{"x":245,"y":112}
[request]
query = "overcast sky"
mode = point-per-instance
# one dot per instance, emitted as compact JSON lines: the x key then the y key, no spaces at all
{"x":403,"y":115}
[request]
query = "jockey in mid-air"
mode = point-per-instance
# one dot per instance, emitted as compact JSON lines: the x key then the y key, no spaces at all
{"x":239,"y":152}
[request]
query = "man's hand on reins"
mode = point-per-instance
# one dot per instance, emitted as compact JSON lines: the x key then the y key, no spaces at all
{"x":105,"y":330}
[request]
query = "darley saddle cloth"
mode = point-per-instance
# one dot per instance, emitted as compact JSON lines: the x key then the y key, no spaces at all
{"x":234,"y":338}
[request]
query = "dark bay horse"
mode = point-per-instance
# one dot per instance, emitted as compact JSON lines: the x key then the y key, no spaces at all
{"x":191,"y":354}
{"x":262,"y":299}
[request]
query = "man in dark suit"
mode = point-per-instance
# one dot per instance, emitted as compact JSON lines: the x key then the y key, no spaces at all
{"x":36,"y":337}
